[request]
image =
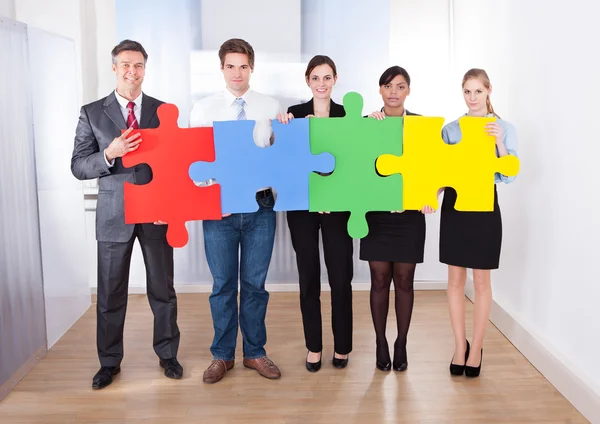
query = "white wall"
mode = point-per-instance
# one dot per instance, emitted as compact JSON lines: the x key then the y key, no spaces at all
{"x":91,"y":24}
{"x":51,"y":27}
{"x":255,"y":22}
{"x":342,"y":30}
{"x":419,"y":42}
{"x":92,"y":27}
{"x":543,"y":64}
{"x":60,"y":200}
{"x":7,"y":8}
{"x":105,"y":41}
{"x":62,"y":18}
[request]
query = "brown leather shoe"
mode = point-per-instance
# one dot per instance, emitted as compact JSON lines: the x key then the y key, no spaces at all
{"x":264,"y":366}
{"x":216,"y":370}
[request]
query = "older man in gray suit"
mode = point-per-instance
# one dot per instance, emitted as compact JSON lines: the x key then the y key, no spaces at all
{"x":99,"y":147}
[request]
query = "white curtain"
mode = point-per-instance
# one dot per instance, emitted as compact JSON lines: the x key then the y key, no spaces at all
{"x":22,"y":327}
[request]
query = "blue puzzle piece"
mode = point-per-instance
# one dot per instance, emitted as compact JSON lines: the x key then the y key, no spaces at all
{"x":242,"y":168}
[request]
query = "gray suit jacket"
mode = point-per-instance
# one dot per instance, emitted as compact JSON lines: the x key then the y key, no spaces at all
{"x":99,"y":123}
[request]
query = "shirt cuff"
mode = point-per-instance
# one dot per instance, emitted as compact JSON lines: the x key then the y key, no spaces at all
{"x":109,"y":164}
{"x":262,"y":133}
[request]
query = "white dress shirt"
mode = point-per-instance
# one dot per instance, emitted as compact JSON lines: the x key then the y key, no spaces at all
{"x":137,"y":111}
{"x":222,"y":107}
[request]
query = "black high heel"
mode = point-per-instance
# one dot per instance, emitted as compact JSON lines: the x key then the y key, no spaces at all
{"x":460,"y":369}
{"x":400,"y":358}
{"x":340,"y":362}
{"x":383,"y":362}
{"x":313,"y":366}
{"x":474,"y":371}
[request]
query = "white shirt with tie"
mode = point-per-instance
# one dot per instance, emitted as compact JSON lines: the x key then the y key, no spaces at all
{"x":222,"y":107}
{"x":137,"y":111}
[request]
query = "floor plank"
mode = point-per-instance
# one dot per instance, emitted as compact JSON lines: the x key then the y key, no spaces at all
{"x":510,"y":389}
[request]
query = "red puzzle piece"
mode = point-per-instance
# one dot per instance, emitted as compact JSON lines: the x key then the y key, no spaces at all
{"x":172,"y":196}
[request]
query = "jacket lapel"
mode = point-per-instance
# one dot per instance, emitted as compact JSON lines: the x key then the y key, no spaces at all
{"x":310,"y":108}
{"x":335,"y":110}
{"x":149,"y":106}
{"x":113,"y":110}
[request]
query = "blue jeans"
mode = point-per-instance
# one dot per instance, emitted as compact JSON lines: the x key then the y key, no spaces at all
{"x":255,"y":234}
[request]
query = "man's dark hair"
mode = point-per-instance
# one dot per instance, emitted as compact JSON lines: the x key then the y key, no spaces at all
{"x":237,"y":45}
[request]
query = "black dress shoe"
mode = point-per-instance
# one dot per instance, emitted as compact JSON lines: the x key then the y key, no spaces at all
{"x":172,"y":368}
{"x":339,"y":362}
{"x":400,"y":358}
{"x":383,"y":362}
{"x":460,"y":369}
{"x":383,"y":366}
{"x":313,"y":366}
{"x":104,"y":377}
{"x":474,"y":371}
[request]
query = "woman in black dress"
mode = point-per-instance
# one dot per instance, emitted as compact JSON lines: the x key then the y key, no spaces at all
{"x":395,"y":244}
{"x":304,"y":226}
{"x":472,"y":239}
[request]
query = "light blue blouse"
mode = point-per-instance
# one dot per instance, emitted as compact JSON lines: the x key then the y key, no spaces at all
{"x":452,"y":134}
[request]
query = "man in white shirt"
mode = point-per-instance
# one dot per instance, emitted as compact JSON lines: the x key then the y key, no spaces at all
{"x":98,"y":149}
{"x":254,"y":232}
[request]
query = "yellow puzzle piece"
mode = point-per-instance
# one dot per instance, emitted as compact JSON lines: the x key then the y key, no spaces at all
{"x":427,"y":163}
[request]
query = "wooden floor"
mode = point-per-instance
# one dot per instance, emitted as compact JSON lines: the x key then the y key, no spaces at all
{"x":58,"y":390}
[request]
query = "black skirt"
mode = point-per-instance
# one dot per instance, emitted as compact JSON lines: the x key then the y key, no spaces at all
{"x":470,"y":239}
{"x":394,"y":237}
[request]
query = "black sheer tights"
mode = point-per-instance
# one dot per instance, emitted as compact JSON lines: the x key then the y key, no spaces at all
{"x":403,"y":275}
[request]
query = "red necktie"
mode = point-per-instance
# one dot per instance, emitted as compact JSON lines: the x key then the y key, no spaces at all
{"x":131,"y":121}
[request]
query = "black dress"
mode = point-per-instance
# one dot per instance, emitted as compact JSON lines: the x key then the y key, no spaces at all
{"x":470,"y":239}
{"x":394,"y":237}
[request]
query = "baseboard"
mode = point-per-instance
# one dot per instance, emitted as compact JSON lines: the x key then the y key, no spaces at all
{"x":557,"y":369}
{"x":22,"y":372}
{"x":283,"y":287}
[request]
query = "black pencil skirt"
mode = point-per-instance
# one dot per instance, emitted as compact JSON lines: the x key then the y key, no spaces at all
{"x":470,"y":239}
{"x":394,"y":237}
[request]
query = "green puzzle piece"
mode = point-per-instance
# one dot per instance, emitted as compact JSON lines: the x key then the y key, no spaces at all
{"x":354,"y":185}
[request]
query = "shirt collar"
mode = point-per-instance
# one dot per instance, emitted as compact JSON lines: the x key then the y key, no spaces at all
{"x":123,"y":101}
{"x":404,"y":114}
{"x":230,"y":97}
{"x":487,"y":115}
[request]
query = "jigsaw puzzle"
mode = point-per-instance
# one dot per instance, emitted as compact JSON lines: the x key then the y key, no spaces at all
{"x":394,"y":164}
{"x":241,"y":167}
{"x":356,"y":143}
{"x":171,"y":196}
{"x":428,"y":164}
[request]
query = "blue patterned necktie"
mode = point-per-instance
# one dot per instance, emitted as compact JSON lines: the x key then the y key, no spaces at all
{"x":241,"y":112}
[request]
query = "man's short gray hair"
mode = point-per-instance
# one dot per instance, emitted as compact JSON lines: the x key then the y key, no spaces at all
{"x":128,"y":45}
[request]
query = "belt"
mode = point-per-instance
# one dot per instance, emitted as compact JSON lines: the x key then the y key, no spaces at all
{"x":264,"y":193}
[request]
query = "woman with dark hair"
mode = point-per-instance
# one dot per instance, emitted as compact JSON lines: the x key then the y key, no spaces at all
{"x":395,"y":244}
{"x":321,"y":76}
